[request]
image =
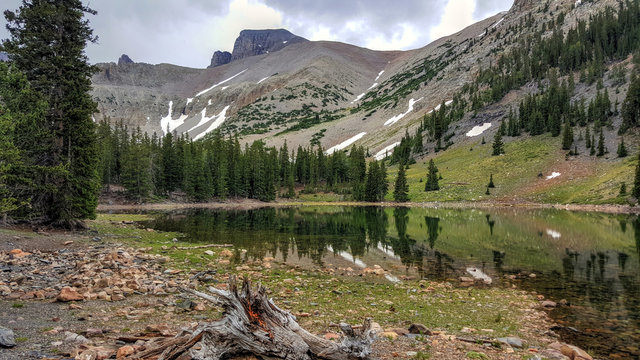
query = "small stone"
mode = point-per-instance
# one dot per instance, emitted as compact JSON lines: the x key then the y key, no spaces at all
{"x":226,"y":253}
{"x":513,"y":341}
{"x":549,"y":304}
{"x":7,"y":338}
{"x":466,"y":279}
{"x":411,"y":353}
{"x":209,"y":252}
{"x":75,"y":338}
{"x":17,"y":254}
{"x":392,"y":335}
{"x":532,"y":275}
{"x":200,"y":307}
{"x":68,"y":242}
{"x":93,"y":332}
{"x":331,"y":336}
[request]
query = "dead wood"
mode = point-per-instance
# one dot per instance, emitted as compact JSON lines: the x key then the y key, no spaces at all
{"x":253,"y":325}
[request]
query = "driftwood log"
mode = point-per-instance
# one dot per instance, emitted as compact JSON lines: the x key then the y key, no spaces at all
{"x":253,"y":325}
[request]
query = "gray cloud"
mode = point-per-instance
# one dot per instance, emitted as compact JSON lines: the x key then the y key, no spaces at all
{"x":186,"y":32}
{"x":378,"y":18}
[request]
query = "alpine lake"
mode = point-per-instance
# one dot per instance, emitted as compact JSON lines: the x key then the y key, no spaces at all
{"x":586,"y":262}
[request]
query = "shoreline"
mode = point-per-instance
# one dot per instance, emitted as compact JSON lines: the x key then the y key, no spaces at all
{"x":246,"y":204}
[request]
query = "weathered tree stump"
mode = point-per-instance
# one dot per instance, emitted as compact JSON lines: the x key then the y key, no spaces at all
{"x":253,"y":325}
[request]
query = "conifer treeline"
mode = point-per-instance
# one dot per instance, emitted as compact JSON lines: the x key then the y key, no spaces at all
{"x":607,"y":36}
{"x":218,"y":167}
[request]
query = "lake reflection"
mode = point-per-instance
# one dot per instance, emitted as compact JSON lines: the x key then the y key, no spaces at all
{"x":590,"y":260}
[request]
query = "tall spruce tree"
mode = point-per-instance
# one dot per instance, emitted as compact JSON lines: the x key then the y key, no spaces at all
{"x":401,"y":189}
{"x":601,"y":149}
{"x":498,"y":146}
{"x":47,"y":42}
{"x":567,"y":136}
{"x":432,"y":178}
{"x":622,"y":149}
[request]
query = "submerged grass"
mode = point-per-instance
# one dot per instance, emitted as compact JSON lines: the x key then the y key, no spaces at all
{"x":322,"y":296}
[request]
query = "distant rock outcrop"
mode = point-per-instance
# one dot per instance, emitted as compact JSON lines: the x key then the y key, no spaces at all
{"x":4,"y":56}
{"x":125,"y":59}
{"x":220,"y":58}
{"x":256,"y":42}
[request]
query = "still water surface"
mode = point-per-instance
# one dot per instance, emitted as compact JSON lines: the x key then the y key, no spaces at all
{"x":591,"y":260}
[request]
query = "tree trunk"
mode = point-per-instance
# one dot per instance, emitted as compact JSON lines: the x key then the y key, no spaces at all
{"x":253,"y":325}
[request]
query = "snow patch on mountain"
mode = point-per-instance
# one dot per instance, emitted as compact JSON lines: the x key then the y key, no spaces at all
{"x":220,"y":83}
{"x":358,"y":98}
{"x":396,"y":118}
{"x":386,"y":151}
{"x":169,"y":124}
{"x":263,"y":79}
{"x":346,"y":143}
{"x":553,"y":175}
{"x":478,"y":130}
{"x":219,"y":119}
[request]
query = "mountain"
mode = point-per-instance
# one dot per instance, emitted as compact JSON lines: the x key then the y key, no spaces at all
{"x":328,"y":93}
{"x":256,"y":42}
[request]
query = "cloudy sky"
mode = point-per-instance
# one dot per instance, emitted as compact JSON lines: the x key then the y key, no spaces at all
{"x":186,"y":32}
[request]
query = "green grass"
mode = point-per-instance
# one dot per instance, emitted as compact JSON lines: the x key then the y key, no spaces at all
{"x":466,"y":170}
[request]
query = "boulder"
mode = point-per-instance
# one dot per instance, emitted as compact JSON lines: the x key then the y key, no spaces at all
{"x":571,"y":351}
{"x":7,"y":338}
{"x":69,"y":294}
{"x":549,"y":304}
{"x":124,"y":351}
{"x":419,"y":329}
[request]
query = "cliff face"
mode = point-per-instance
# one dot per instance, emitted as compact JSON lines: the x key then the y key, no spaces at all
{"x":256,"y":42}
{"x":220,"y":58}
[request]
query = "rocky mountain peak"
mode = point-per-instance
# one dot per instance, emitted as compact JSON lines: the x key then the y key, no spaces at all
{"x":220,"y":58}
{"x":124,"y":59}
{"x":256,"y":42}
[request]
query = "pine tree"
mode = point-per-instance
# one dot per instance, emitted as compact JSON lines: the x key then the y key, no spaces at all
{"x":498,"y":146}
{"x":636,"y":181}
{"x":47,"y":41}
{"x":371,"y":184}
{"x":491,"y":184}
{"x":401,"y":190}
{"x":587,"y":138}
{"x":432,"y":178}
{"x":622,"y":149}
{"x":601,"y":144}
{"x":487,"y":192}
{"x":567,"y":136}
